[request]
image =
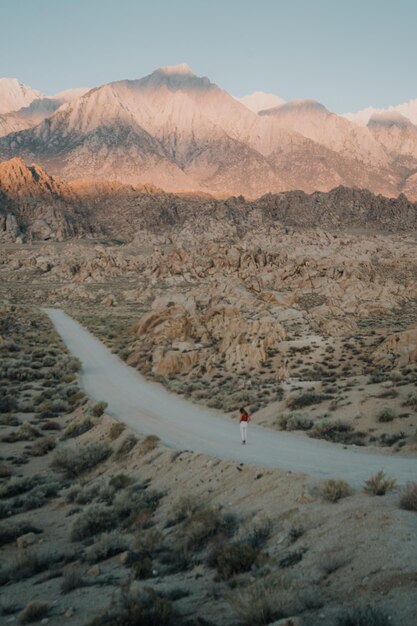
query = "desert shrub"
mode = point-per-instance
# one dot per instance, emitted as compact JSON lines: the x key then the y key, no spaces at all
{"x":43,"y":446}
{"x":107,"y":546}
{"x":336,"y":431}
{"x":5,"y":471}
{"x":98,"y":409}
{"x":295,"y":533}
{"x":149,"y":443}
{"x":59,"y":406}
{"x":146,"y":607}
{"x":8,"y":404}
{"x":8,"y":605}
{"x":73,"y":461}
{"x":129,"y":505}
{"x":331,"y":560}
{"x":377,"y":376}
{"x":77,"y":428}
{"x":263,"y":602}
{"x":148,"y":541}
{"x":334,"y":490}
{"x":292,"y":558}
{"x":232,"y":558}
{"x":386,"y":414}
{"x":51,"y":425}
{"x":142,"y":568}
{"x":299,"y":422}
{"x":259,"y":533}
{"x":95,"y":519}
{"x":363,"y":616}
{"x":305,"y":399}
{"x":378,"y":484}
{"x":10,"y":532}
{"x":33,"y":499}
{"x":120,"y":481}
{"x":31,"y":562}
{"x":204,"y":525}
{"x":411,"y":400}
{"x":83,"y":495}
{"x":72,"y":579}
{"x":34,"y":612}
{"x":7,"y":419}
{"x":71,"y":365}
{"x":116,"y":430}
{"x":126,"y":446}
{"x":408,"y":498}
{"x":19,"y":484}
{"x":185,"y":507}
{"x":26,"y":432}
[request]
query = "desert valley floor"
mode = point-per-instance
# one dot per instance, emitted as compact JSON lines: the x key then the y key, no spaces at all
{"x":314,"y":331}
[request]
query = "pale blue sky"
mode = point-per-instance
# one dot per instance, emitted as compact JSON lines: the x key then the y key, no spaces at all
{"x":345,"y":53}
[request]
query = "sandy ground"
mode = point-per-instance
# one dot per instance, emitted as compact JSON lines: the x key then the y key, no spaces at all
{"x":147,"y":408}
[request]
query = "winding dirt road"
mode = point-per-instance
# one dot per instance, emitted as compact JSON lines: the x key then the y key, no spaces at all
{"x":148,"y":408}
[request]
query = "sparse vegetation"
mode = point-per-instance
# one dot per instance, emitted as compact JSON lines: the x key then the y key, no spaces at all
{"x":408,"y":498}
{"x":149,"y":443}
{"x":147,"y":608}
{"x":263,"y":602}
{"x":98,"y":409}
{"x":34,"y":612}
{"x":334,"y":490}
{"x":116,"y":430}
{"x":363,"y":616}
{"x":72,"y":579}
{"x":306,"y":399}
{"x":379,"y":484}
{"x":74,"y":461}
{"x":230,"y":559}
{"x":95,"y":519}
{"x":77,"y":427}
{"x":107,"y":546}
{"x":386,"y":414}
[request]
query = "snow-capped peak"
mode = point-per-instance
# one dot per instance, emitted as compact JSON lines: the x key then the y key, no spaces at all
{"x":259,"y":100}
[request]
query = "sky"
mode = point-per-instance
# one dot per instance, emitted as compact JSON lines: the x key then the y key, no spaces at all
{"x":348,"y":54}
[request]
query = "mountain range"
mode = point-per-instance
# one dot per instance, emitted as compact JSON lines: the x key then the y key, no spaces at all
{"x":37,"y":206}
{"x":181,"y":132}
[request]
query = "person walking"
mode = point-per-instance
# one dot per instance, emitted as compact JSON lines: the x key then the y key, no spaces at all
{"x":244,"y":419}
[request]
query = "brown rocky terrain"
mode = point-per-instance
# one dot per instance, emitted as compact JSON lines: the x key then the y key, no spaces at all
{"x":36,"y":206}
{"x":303,"y":308}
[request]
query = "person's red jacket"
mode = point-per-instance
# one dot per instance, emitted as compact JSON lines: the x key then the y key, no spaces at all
{"x":244,"y":418}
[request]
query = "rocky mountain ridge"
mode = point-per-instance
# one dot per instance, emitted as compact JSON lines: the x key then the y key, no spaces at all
{"x":36,"y":206}
{"x":182,"y":132}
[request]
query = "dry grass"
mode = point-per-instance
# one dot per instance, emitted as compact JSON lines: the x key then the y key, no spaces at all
{"x":334,"y":490}
{"x":149,"y":443}
{"x":379,"y":484}
{"x":34,"y":612}
{"x":74,"y":461}
{"x":43,"y":446}
{"x":116,"y":430}
{"x":408,"y":498}
{"x":263,"y":602}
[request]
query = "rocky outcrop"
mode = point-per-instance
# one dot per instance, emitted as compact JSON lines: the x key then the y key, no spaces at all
{"x":397,"y":349}
{"x":36,"y":206}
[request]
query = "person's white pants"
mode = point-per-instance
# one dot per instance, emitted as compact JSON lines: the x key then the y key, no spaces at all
{"x":244,"y":431}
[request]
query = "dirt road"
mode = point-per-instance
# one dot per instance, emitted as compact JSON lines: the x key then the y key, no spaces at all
{"x":147,"y":408}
